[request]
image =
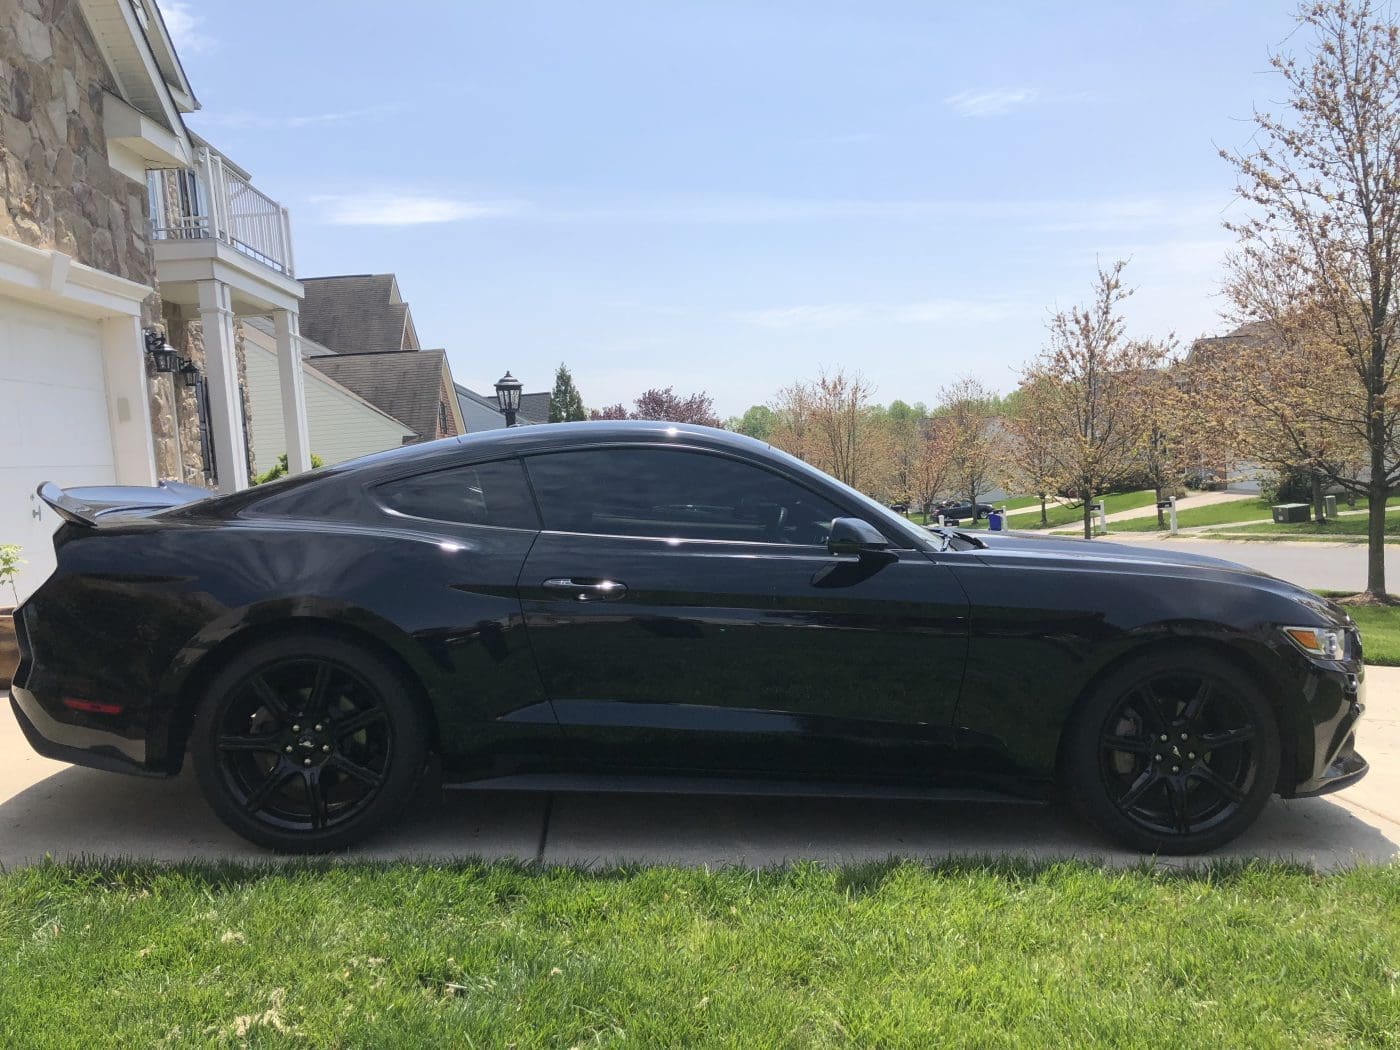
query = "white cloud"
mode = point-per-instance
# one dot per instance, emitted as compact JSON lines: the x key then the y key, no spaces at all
{"x":245,"y":119}
{"x":184,"y":27}
{"x":406,"y":209}
{"x":991,"y":103}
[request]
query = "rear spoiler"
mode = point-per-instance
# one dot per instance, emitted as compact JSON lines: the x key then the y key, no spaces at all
{"x":86,"y":505}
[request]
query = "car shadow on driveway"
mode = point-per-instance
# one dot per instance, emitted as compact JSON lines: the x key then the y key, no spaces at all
{"x":77,"y":812}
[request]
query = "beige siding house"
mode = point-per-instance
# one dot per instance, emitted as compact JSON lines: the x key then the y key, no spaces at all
{"x":342,"y":424}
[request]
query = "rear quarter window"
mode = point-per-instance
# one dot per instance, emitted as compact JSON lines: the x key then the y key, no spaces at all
{"x":494,"y":494}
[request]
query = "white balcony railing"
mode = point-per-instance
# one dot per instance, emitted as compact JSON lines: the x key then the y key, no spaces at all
{"x":210,"y":200}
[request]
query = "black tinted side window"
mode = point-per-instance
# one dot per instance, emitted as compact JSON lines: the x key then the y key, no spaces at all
{"x":481,"y":494}
{"x":675,"y":494}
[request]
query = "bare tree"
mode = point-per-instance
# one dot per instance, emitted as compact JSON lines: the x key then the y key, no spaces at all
{"x":930,"y":468}
{"x":834,"y":424}
{"x":1031,"y":453}
{"x":1094,"y":378}
{"x":977,"y":445}
{"x":1319,"y":252}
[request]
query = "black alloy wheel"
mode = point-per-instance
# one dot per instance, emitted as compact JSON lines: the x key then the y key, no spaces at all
{"x":307,"y":744}
{"x":1173,"y":755}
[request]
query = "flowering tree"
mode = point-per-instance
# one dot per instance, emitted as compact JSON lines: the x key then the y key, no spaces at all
{"x":1318,"y":255}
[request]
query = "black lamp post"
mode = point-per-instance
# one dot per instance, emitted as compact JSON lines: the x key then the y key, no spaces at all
{"x":508,"y":394}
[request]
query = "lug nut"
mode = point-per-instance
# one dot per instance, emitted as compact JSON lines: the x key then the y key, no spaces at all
{"x":326,"y":747}
{"x":1156,"y":758}
{"x":288,"y":749}
{"x":1190,"y":754}
{"x":1176,"y":769}
{"x":1183,"y":736}
{"x":306,"y":761}
{"x":1163,"y":738}
{"x":296,"y":729}
{"x":318,"y":727}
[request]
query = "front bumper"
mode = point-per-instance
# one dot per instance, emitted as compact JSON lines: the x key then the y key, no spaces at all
{"x":1334,"y":701}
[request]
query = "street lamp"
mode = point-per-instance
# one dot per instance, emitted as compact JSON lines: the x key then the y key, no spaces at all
{"x":508,"y":394}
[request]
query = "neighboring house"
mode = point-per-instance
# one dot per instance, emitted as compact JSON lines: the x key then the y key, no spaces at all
{"x":341,"y":424}
{"x":413,"y":387}
{"x":359,"y":313}
{"x":481,"y":412}
{"x":364,"y":322}
{"x":115,"y":219}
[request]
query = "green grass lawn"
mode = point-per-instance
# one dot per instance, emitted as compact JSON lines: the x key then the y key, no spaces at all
{"x":897,"y":954}
{"x":1345,"y":528}
{"x":1070,"y":515}
{"x":1380,"y":630}
{"x":1224,"y":514}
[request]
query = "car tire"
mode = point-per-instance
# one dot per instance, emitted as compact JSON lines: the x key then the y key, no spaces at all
{"x":1173,"y":753}
{"x":307,"y":744}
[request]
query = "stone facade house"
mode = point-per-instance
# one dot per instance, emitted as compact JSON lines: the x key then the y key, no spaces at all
{"x":120,"y":230}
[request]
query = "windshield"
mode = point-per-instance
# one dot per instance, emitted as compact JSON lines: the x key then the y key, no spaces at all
{"x":917,"y":536}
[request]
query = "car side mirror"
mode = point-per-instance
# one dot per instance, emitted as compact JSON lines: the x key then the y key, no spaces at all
{"x":855,"y":536}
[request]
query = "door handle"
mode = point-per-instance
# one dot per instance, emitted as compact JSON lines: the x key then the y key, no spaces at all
{"x":588,"y":590}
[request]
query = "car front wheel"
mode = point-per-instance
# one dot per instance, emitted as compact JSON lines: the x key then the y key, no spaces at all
{"x":307,"y":744}
{"x":1172,"y":754}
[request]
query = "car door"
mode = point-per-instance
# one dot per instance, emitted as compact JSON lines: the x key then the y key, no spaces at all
{"x":685,"y":614}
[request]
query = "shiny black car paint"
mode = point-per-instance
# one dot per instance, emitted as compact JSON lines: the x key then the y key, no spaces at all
{"x":923,"y":670}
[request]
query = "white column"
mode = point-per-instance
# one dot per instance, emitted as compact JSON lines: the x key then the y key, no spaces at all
{"x":293,"y":390}
{"x":128,"y":400}
{"x":225,"y":395}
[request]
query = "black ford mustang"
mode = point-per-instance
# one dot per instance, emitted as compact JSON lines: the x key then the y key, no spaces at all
{"x":644,"y":606}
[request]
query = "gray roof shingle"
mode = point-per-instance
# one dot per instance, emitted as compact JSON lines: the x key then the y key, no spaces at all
{"x":481,"y":412}
{"x":357,"y":314}
{"x":408,"y":386}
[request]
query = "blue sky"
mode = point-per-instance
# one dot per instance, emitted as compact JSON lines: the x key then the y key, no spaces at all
{"x":729,"y":196}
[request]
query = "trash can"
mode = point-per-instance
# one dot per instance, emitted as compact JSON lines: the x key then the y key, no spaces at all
{"x":995,"y":519}
{"x":1329,"y":507}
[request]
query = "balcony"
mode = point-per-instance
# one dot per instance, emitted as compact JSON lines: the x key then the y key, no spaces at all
{"x":213,"y":200}
{"x":209,"y":223}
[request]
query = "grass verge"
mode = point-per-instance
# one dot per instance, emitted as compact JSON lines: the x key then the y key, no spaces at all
{"x":1225,"y":514}
{"x":1380,"y":630}
{"x":897,"y":954}
{"x":1350,"y":528}
{"x":1062,"y":514}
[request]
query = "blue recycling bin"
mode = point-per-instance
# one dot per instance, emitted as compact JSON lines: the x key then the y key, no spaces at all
{"x":995,"y":520}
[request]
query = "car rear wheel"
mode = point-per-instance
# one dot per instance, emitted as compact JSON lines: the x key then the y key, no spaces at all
{"x":1176,"y":753}
{"x":307,"y":744}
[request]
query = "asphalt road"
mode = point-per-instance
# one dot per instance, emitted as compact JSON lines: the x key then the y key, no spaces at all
{"x":1319,"y":566}
{"x":64,"y":811}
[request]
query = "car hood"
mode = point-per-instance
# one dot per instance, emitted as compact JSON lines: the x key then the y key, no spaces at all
{"x":1150,"y":560}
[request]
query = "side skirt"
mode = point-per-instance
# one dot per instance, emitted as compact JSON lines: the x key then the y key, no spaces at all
{"x":608,"y":783}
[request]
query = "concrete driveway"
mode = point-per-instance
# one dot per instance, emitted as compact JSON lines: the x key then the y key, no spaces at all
{"x":47,"y":808}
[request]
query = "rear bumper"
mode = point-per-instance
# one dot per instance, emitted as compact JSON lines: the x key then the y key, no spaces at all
{"x":76,"y":744}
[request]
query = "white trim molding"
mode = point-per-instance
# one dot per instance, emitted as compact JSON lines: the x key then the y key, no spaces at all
{"x":51,"y":278}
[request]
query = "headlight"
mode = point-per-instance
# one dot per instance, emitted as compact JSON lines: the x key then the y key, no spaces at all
{"x":1325,"y":643}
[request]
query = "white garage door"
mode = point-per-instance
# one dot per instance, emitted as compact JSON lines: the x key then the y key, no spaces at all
{"x":53,"y":424}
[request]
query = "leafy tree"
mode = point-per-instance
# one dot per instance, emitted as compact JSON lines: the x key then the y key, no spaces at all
{"x":565,"y":402}
{"x":1318,"y":253}
{"x":757,"y":421}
